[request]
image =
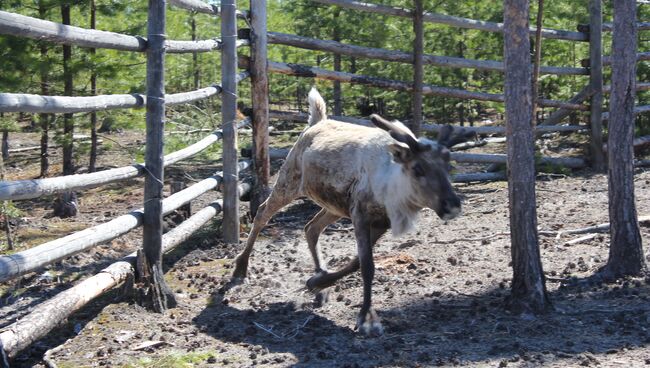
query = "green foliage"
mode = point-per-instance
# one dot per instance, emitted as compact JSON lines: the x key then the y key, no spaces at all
{"x":119,"y":72}
{"x":173,"y":360}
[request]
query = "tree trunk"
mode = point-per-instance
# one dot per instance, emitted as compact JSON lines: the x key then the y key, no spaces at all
{"x":195,"y":55}
{"x":66,"y":204}
{"x":260,"y":101}
{"x":5,"y":205}
{"x":93,"y":91}
{"x":596,"y":84}
{"x":625,"y":250}
{"x":418,"y":66}
{"x":336,"y":36}
{"x":538,"y":58}
{"x":44,"y":118}
{"x":68,"y":123}
{"x":528,"y":287}
{"x":5,"y":144}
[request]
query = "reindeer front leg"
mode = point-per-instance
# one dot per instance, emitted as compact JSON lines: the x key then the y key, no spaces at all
{"x":367,"y":322}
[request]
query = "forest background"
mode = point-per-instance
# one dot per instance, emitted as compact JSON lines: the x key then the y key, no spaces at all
{"x":30,"y":66}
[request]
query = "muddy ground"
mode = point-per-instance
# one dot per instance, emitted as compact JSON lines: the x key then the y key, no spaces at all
{"x":439,"y":291}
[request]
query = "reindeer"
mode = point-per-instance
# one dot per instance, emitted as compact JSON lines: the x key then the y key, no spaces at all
{"x":378,"y":178}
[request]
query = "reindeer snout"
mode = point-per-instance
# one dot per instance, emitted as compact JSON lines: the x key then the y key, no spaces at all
{"x":451,"y":208}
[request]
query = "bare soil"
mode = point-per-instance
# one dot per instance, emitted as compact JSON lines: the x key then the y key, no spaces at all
{"x":439,"y":291}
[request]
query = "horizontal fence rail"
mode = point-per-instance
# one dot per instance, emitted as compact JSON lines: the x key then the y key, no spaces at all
{"x":23,"y":26}
{"x":14,"y":265}
{"x":483,"y":130}
{"x":608,"y":27}
{"x":48,"y":315}
{"x":450,"y":20}
{"x":183,"y":47}
{"x":312,"y":72}
{"x":22,"y":102}
{"x":201,"y":7}
{"x":607,"y":60}
{"x":404,"y":57}
{"x":637,"y":110}
{"x":28,"y":189}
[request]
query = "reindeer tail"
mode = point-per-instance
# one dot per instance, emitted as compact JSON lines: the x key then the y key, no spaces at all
{"x":317,"y":107}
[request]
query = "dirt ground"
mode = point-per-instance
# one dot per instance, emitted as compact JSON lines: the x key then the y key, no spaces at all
{"x":439,"y":291}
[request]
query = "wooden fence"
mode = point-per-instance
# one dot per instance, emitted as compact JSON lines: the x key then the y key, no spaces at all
{"x":590,"y":98}
{"x":46,"y":316}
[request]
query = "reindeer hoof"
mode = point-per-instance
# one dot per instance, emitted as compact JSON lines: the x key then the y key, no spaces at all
{"x":321,"y":298}
{"x":315,"y":283}
{"x":369,"y":325}
{"x":234,"y":281}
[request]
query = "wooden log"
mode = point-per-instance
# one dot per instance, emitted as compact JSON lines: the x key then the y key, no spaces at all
{"x":260,"y":102}
{"x":484,"y":158}
{"x":23,"y":26}
{"x":28,"y":189}
{"x":607,"y":60}
{"x":188,"y":132}
{"x":312,"y":72}
{"x":403,"y":57}
{"x":640,"y":86}
{"x":474,"y":177}
{"x":637,"y":110}
{"x":557,"y":116}
{"x":230,"y":223}
{"x":33,"y":148}
{"x":639,"y":144}
{"x":600,"y":228}
{"x":202,"y":7}
{"x":485,"y":130}
{"x":185,"y":47}
{"x":596,"y":85}
{"x":608,"y":27}
{"x":155,"y":294}
{"x":23,"y":102}
{"x":20,"y":263}
{"x":46,"y":316}
{"x":450,"y":20}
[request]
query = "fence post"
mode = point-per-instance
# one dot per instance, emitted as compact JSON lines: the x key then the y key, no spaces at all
{"x":260,"y":102}
{"x":596,"y":83}
{"x":418,"y":65}
{"x":228,"y":116}
{"x":156,"y":293}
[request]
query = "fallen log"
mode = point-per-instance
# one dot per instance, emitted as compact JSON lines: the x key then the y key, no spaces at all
{"x":601,"y":228}
{"x":475,"y":177}
{"x":639,"y":143}
{"x":49,"y":314}
{"x":34,"y":148}
{"x":20,"y":263}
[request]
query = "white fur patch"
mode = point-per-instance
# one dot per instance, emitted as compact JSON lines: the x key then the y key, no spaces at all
{"x":393,"y":188}
{"x":317,"y":107}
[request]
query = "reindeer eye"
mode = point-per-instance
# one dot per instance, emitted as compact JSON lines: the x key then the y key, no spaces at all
{"x":418,"y":170}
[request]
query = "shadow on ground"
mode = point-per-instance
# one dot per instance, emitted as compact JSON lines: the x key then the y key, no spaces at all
{"x":466,"y":329}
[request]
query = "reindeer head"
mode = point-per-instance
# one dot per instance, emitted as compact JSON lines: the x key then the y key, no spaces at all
{"x":425,"y":162}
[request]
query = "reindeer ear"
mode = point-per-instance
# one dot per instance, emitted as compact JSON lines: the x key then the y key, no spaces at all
{"x":401,"y":152}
